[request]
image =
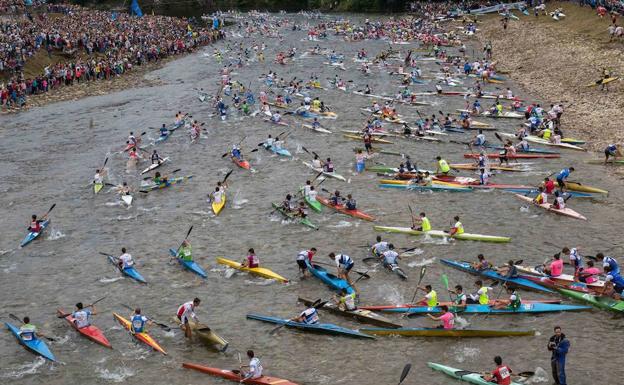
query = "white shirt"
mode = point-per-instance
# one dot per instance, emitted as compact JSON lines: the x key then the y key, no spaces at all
{"x":380,"y":247}
{"x":312,"y":195}
{"x":81,"y":318}
{"x":186,"y":311}
{"x":98,"y":178}
{"x":255,"y":368}
{"x":126,"y":259}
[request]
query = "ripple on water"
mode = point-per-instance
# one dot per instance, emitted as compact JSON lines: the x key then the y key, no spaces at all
{"x":462,"y":353}
{"x":55,"y":234}
{"x":119,"y":374}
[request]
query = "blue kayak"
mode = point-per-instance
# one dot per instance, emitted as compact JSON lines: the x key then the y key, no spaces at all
{"x":536,"y":307}
{"x":491,"y":274}
{"x":281,"y":151}
{"x":35,"y":346}
{"x":129,"y":271}
{"x":162,"y":138}
{"x":528,"y":191}
{"x":319,"y":327}
{"x":427,"y":188}
{"x":189,"y":265}
{"x":32,"y":236}
{"x":329,"y":279}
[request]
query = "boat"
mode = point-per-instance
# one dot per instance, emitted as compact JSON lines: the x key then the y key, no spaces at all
{"x":127,"y":199}
{"x":259,"y":271}
{"x":574,"y":186}
{"x":382,"y":169}
{"x":129,"y":271}
{"x":97,"y":187}
{"x":504,"y":114}
{"x":314,"y":204}
{"x":280,"y":123}
{"x":292,"y":217}
{"x":338,"y":284}
{"x":403,"y":308}
{"x":319,"y":327}
{"x":569,"y":143}
{"x":36,"y":346}
{"x":433,"y":187}
{"x":535,"y":191}
{"x":91,"y":332}
{"x":154,"y":166}
{"x":31,"y":236}
{"x":324,"y":173}
{"x":317,"y":129}
{"x":169,"y":182}
{"x":373,"y":139}
{"x":189,"y":265}
{"x":611,"y":161}
{"x":241,"y":163}
{"x":520,"y":150}
{"x":236,"y":377}
{"x":566,"y":211}
{"x":602,"y":81}
{"x":493,"y":275}
{"x":143,"y":336}
{"x":516,"y":156}
{"x":437,"y":332}
{"x":486,"y":309}
{"x":207,"y":336}
{"x":218,"y":206}
{"x":564,"y":279}
{"x":463,"y":375}
{"x":278,"y":151}
{"x":443,"y":234}
{"x":362,"y":315}
{"x":472,"y":166}
{"x":342,"y":209}
{"x":601,"y":302}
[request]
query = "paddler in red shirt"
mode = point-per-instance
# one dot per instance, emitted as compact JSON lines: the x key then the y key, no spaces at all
{"x":252,"y":260}
{"x":35,"y":224}
{"x":501,"y":375}
{"x":549,"y":185}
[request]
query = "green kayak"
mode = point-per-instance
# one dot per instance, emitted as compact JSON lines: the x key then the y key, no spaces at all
{"x":462,"y":375}
{"x":382,"y":169}
{"x":314,"y":204}
{"x":605,"y":303}
{"x":304,"y":221}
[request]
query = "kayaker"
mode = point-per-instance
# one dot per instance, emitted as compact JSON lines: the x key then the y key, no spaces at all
{"x":442,"y":166}
{"x":589,"y":274}
{"x":138,"y":322}
{"x":431,"y":298}
{"x":391,"y":257}
{"x":484,"y":177}
{"x":479,"y":139}
{"x":457,"y":228}
{"x":509,"y":270}
{"x":124,"y":189}
{"x":576,"y":259}
{"x":288,"y":204}
{"x":164,"y":132}
{"x":501,"y":375}
{"x":422,"y":219}
{"x":132,"y":140}
{"x":255,"y":368}
{"x":158,"y":179}
{"x":614,"y":284}
{"x":482,"y":263}
{"x":559,"y":345}
{"x":460,"y":297}
{"x":185,"y":252}
{"x":251,"y":261}
{"x":302,"y":210}
{"x":513,"y":303}
{"x":344,"y":264}
{"x":309,"y":316}
{"x":328,"y":166}
{"x":555,"y":268}
{"x":542,"y":197}
{"x":563,"y":175}
{"x":380,"y":247}
{"x":302,"y":257}
{"x":98,"y":178}
{"x":608,"y":262}
{"x":559,"y":203}
{"x":125,"y":260}
{"x":156,"y":159}
{"x":360,"y":161}
{"x":345,"y":301}
{"x":187,"y":311}
{"x":82,"y":315}
{"x":549,"y":185}
{"x":350,"y":204}
{"x":612,"y":150}
{"x":236,"y":152}
{"x":316,"y":162}
{"x":336,"y":199}
{"x":481,"y":296}
{"x":28,"y":331}
{"x":35,"y":224}
{"x":368,"y":143}
{"x":447,"y":318}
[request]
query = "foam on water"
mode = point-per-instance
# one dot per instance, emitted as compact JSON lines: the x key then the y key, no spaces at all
{"x":24,"y":369}
{"x":55,"y":234}
{"x":422,"y":262}
{"x":119,"y":374}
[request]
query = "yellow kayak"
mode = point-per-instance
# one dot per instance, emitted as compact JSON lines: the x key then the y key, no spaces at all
{"x":583,"y":188}
{"x":143,"y":337}
{"x":373,"y":139}
{"x":97,"y":187}
{"x":327,"y":114}
{"x":260,"y":271}
{"x":207,"y":336}
{"x":494,"y":81}
{"x":602,"y":81}
{"x":217,"y":207}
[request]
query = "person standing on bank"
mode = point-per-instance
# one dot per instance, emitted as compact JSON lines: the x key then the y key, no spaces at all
{"x":559,"y":346}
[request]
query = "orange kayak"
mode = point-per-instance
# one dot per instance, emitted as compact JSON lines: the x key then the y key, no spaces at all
{"x":342,"y":209}
{"x":241,"y":163}
{"x":91,"y":332}
{"x":143,"y":337}
{"x":235,"y":376}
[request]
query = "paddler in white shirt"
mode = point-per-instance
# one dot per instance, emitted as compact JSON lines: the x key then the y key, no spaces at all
{"x":316,"y":162}
{"x":82,"y":316}
{"x":345,"y":301}
{"x":380,"y":247}
{"x":185,"y":312}
{"x":98,"y":178}
{"x":255,"y":368}
{"x":125,"y":259}
{"x":559,"y":202}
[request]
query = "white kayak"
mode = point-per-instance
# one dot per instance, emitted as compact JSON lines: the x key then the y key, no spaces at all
{"x":537,"y":139}
{"x":328,"y":174}
{"x":373,"y":96}
{"x":317,"y":129}
{"x":154,"y":166}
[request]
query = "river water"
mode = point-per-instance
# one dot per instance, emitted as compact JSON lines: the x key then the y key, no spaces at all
{"x":49,"y":155}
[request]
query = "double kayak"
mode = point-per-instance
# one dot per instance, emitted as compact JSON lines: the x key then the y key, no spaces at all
{"x":128,"y":271}
{"x":169,"y":182}
{"x":535,"y":191}
{"x":463,"y":375}
{"x":515,"y":156}
{"x":493,"y":275}
{"x":566,"y":211}
{"x":373,"y":139}
{"x":91,"y":332}
{"x":317,"y":129}
{"x":600,"y":302}
{"x":189,"y":265}
{"x":292,"y":217}
{"x":35,"y":346}
{"x":472,"y":166}
{"x":154,"y":166}
{"x":207,"y":336}
{"x":275,"y":150}
{"x":235,"y":375}
{"x":143,"y":336}
{"x":319,"y":327}
{"x":343,"y":210}
{"x":435,"y":332}
{"x":403,"y":308}
{"x":259,"y":271}
{"x":487,"y":309}
{"x":332,"y":174}
{"x":416,"y":187}
{"x":444,"y":234}
{"x":329,"y":279}
{"x":218,"y":206}
{"x":566,"y":279}
{"x":362,"y":315}
{"x":31,"y":236}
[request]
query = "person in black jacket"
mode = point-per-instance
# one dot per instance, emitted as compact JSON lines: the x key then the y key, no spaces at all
{"x":559,"y":346}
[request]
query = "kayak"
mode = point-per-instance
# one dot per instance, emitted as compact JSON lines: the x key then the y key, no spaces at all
{"x":35,"y":346}
{"x":566,"y":211}
{"x":189,"y":265}
{"x":143,"y":336}
{"x":208,"y":337}
{"x":292,"y":217}
{"x":486,"y":309}
{"x":602,"y":81}
{"x":91,"y":332}
{"x":505,"y":114}
{"x":520,"y":150}
{"x":235,"y":375}
{"x":362,"y":315}
{"x":533,"y":190}
{"x":314,"y":204}
{"x":278,"y":151}
{"x":317,"y":129}
{"x":280,"y":123}
{"x":472,"y":166}
{"x":443,"y":234}
{"x":97,"y":187}
{"x":169,"y":183}
{"x":32,"y":236}
{"x":373,"y":139}
{"x":127,"y":199}
{"x":129,"y":271}
{"x":600,"y":302}
{"x":154,"y":166}
{"x":342,"y":209}
{"x":382,"y":169}
{"x":241,"y":163}
{"x":435,"y":332}
{"x":565,"y":279}
{"x":260,"y":271}
{"x":319,"y":327}
{"x":611,"y":161}
{"x":569,"y":143}
{"x":584,"y":188}
{"x":403,"y":308}
{"x":329,"y":279}
{"x":462,"y":375}
{"x":493,"y":275}
{"x":218,"y":206}
{"x":324,"y":173}
{"x":559,"y":284}
{"x":516,"y":156}
{"x":416,"y":187}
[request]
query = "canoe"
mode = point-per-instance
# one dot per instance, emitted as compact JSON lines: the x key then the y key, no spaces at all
{"x":170,"y":182}
{"x":235,"y":376}
{"x":443,"y":234}
{"x":493,"y":275}
{"x":516,"y":156}
{"x":90,"y":332}
{"x":373,"y":139}
{"x":154,"y":166}
{"x":35,"y":346}
{"x":568,"y":212}
{"x":127,"y":199}
{"x":207,"y":336}
{"x":260,"y":271}
{"x":97,"y":187}
{"x":362,"y":315}
{"x":32,"y":236}
{"x":343,"y":210}
{"x":472,"y":166}
{"x":600,"y":302}
{"x":602,"y":81}
{"x":292,"y":217}
{"x":241,"y":163}
{"x":584,"y":188}
{"x":328,"y":174}
{"x":317,"y":129}
{"x":434,"y":187}
{"x":329,"y":279}
{"x":189,"y":265}
{"x":218,"y":206}
{"x":534,"y":191}
{"x":463,"y":375}
{"x":278,"y":151}
{"x":486,"y":309}
{"x":435,"y":332}
{"x":318,"y":328}
{"x":403,"y":308}
{"x":130,"y":271}
{"x":143,"y":337}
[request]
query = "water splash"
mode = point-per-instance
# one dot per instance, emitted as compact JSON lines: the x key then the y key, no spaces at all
{"x":119,"y":374}
{"x":260,"y":282}
{"x":464,"y":352}
{"x":55,"y":234}
{"x":341,"y":224}
{"x":25,"y":369}
{"x":540,"y":376}
{"x":423,"y":262}
{"x":109,"y":280}
{"x":113,"y":204}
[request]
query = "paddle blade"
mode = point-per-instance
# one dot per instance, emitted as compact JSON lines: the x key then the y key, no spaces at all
{"x":445,"y":281}
{"x":188,"y":232}
{"x":406,"y":370}
{"x":227,"y":176}
{"x":105,"y":161}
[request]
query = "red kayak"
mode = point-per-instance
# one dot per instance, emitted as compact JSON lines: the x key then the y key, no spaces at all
{"x":235,"y":376}
{"x":403,"y":306}
{"x":516,"y":156}
{"x":241,"y":163}
{"x":91,"y":332}
{"x":342,"y":209}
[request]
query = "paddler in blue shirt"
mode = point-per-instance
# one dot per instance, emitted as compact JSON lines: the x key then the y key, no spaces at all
{"x":613,"y":150}
{"x":608,"y":262}
{"x":336,"y":199}
{"x":164,"y":131}
{"x":138,"y":322}
{"x":562,"y":176}
{"x":344,"y":264}
{"x":236,"y":152}
{"x":350,"y":204}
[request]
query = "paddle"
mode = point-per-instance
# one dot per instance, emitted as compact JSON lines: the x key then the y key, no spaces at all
{"x":50,"y":210}
{"x":20,"y":320}
{"x":495,"y":299}
{"x":239,"y":143}
{"x":406,"y":370}
{"x":185,"y":238}
{"x":423,"y":271}
{"x":362,"y":275}
{"x":84,"y":307}
{"x":327,"y":264}
{"x":226,"y":176}
{"x":162,"y":325}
